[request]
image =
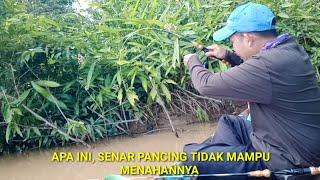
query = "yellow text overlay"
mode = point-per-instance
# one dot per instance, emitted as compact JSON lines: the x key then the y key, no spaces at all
{"x":158,"y":170}
{"x":158,"y":156}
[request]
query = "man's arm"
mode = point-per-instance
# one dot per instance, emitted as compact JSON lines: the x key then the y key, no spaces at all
{"x":249,"y":81}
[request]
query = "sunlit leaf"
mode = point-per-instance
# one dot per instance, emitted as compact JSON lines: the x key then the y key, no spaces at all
{"x":153,"y":93}
{"x":120,"y":96}
{"x":144,"y":83}
{"x":175,"y":58}
{"x":283,"y":15}
{"x":166,"y":92}
{"x":132,"y":97}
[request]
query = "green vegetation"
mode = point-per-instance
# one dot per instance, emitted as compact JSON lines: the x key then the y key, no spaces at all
{"x":66,"y":77}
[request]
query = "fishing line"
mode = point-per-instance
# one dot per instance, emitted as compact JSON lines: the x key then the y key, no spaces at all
{"x":258,"y":173}
{"x":194,"y":44}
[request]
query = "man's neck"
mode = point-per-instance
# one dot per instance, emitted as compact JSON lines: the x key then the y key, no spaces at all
{"x":260,"y":43}
{"x":264,"y":41}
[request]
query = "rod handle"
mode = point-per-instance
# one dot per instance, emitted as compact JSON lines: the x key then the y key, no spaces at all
{"x":200,"y":47}
{"x":315,"y":170}
{"x":264,"y":173}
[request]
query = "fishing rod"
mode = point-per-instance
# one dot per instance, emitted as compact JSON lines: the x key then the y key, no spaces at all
{"x":194,"y":44}
{"x":258,"y":173}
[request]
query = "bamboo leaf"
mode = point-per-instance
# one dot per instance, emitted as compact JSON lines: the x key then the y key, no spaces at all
{"x":52,"y":22}
{"x":99,"y":132}
{"x":175,"y":58}
{"x":170,"y":81}
{"x":17,"y":111}
{"x":100,"y":99}
{"x":133,"y":74}
{"x":119,"y":77}
{"x":62,"y":105}
{"x":197,"y":5}
{"x":89,"y":77}
{"x":36,"y":130}
{"x":134,"y":11}
{"x":21,"y":98}
{"x":7,"y":114}
{"x":120,"y":96}
{"x":159,"y":100}
{"x":165,"y":91}
{"x":153,"y":8}
{"x":17,"y":129}
{"x":165,"y":12}
{"x":45,"y":83}
{"x":283,"y":15}
{"x":8,"y":132}
{"x":43,"y":92}
{"x":132,"y":97}
{"x":122,"y":62}
{"x":76,"y":108}
{"x":144,"y":83}
{"x":287,"y":4}
{"x":153,"y":93}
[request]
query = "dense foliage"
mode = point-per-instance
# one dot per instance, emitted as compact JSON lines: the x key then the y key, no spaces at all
{"x":67,"y":76}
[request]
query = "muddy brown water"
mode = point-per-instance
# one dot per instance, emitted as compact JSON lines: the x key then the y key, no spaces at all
{"x":38,"y":165}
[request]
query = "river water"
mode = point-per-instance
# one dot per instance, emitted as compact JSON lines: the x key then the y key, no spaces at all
{"x":38,"y":164}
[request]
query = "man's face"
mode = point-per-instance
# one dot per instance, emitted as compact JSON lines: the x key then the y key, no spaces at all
{"x":242,"y":45}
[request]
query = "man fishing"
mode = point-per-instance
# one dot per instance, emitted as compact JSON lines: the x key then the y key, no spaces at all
{"x":274,"y":75}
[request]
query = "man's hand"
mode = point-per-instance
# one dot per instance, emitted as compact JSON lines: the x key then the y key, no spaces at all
{"x":216,"y":51}
{"x":189,"y":57}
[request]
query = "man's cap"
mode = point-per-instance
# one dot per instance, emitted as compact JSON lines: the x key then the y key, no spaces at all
{"x":249,"y":17}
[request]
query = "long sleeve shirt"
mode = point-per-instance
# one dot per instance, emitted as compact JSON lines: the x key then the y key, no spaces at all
{"x":284,"y":97}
